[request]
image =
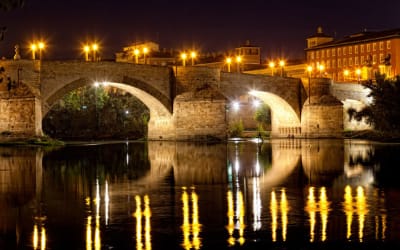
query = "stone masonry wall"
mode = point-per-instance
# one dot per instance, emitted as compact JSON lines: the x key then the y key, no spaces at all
{"x":199,"y":119}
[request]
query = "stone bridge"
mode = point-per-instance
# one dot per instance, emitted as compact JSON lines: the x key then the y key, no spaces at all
{"x":184,"y":102}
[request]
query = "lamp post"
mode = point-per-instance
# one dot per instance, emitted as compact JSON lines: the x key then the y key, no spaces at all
{"x":358,"y":72}
{"x":272,"y":66}
{"x":95,"y":47}
{"x":345,"y":74}
{"x":228,"y":62}
{"x":193,"y":56}
{"x":86,"y":49}
{"x":41,"y":47}
{"x":183,"y":57}
{"x":145,"y":51}
{"x":238,"y":61}
{"x":33,"y":49}
{"x":282,"y":64}
{"x":321,"y":68}
{"x":309,"y":70}
{"x":136,"y":52}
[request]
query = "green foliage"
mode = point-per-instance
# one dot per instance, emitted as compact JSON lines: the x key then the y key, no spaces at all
{"x":384,"y":112}
{"x":236,"y":129}
{"x":102,"y":112}
{"x":263,"y":116}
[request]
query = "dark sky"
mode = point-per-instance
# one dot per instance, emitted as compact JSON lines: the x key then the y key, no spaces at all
{"x":279,"y":27}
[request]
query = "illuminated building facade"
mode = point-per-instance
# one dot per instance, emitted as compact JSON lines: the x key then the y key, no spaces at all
{"x":356,"y":57}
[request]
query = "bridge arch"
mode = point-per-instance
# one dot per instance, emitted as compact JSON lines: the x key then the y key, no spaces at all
{"x":160,"y":114}
{"x":284,"y":119}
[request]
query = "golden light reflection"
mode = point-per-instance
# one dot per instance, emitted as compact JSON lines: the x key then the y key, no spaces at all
{"x":236,"y":218}
{"x":284,"y":213}
{"x":311,"y":208}
{"x":323,"y":210}
{"x":139,"y":214}
{"x":348,"y":209}
{"x":106,"y":203}
{"x":89,"y":233}
{"x":361,"y":211}
{"x":190,"y":229}
{"x":274,"y":215}
{"x":39,"y":239}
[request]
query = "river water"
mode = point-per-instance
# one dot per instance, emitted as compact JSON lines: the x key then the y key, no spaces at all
{"x":278,"y":194}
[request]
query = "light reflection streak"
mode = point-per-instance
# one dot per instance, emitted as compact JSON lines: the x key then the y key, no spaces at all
{"x":36,"y":238}
{"x":311,"y":208}
{"x":348,"y":209}
{"x":274,"y":215}
{"x":190,"y":229}
{"x":284,"y":212}
{"x":361,"y":211}
{"x":235,"y":218}
{"x":106,"y":203}
{"x":139,"y":214}
{"x":324,"y":210}
{"x":256,"y":204}
{"x":231,"y":224}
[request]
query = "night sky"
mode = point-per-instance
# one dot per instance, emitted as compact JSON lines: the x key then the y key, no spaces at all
{"x":278,"y":27}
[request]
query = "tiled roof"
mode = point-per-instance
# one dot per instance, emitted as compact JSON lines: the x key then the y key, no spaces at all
{"x":360,"y":37}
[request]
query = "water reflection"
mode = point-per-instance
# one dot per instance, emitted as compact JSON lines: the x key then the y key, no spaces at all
{"x":191,"y":231}
{"x":201,"y":195}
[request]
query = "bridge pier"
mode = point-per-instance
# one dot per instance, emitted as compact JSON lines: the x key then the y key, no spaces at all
{"x":322,"y":113}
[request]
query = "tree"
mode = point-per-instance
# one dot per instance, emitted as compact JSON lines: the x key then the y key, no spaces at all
{"x":384,"y":111}
{"x":263,"y":116}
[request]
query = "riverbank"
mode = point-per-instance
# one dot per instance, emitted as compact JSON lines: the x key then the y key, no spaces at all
{"x":13,"y":140}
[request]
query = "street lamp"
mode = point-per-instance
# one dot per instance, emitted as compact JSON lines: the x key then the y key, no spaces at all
{"x":309,"y":70}
{"x":193,"y":56}
{"x":183,"y":56}
{"x":95,"y":47}
{"x":272,"y":66}
{"x":358,"y":72}
{"x":346,"y":73}
{"x":136,"y":52}
{"x":238,"y":61}
{"x":33,"y":48}
{"x":145,"y":51}
{"x":281,"y":64}
{"x":321,"y":68}
{"x":228,"y":62}
{"x":86,"y":49}
{"x":41,"y":46}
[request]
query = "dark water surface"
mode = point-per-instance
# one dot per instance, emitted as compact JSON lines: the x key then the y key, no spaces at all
{"x":281,"y":194}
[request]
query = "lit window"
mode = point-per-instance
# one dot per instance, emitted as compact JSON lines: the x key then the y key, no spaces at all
{"x":317,"y":56}
{"x":312,"y":55}
{"x":356,"y":49}
{"x":350,"y":61}
{"x":380,"y":45}
{"x":368,"y":47}
{"x":339,"y":63}
{"x":388,"y":45}
{"x":328,"y":64}
{"x":339,"y":52}
{"x":344,"y":51}
{"x":374,"y":46}
{"x":356,"y":61}
{"x":333,"y":63}
{"x":374,"y":59}
{"x":350,"y":50}
{"x":344,"y":62}
{"x":381,"y":58}
{"x":328,"y":52}
{"x":322,"y":53}
{"x":333,"y":52}
{"x":362,"y":48}
{"x":362,"y":60}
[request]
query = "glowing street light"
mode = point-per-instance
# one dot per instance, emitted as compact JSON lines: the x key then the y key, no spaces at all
{"x":41,"y":46}
{"x":228,"y":62}
{"x":193,"y":56}
{"x":136,"y":52}
{"x":358,"y":72}
{"x":95,"y":47}
{"x":33,"y":49}
{"x":238,"y":61}
{"x":272,"y":66}
{"x":309,"y":70}
{"x":86,"y":49}
{"x":145,"y":51}
{"x":321,"y":68}
{"x":346,"y":73}
{"x":282,"y":64}
{"x":183,"y":57}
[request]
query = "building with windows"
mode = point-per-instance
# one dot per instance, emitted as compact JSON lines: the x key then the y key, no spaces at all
{"x":356,"y":57}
